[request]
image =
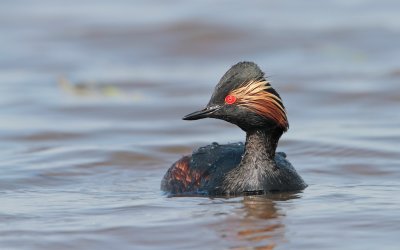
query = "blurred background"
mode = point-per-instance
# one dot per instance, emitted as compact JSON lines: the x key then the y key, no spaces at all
{"x":92,"y":94}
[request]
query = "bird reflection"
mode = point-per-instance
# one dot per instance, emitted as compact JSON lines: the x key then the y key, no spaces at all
{"x":261,"y":225}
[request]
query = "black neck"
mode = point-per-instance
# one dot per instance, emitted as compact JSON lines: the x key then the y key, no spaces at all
{"x":260,"y":147}
{"x":258,"y":162}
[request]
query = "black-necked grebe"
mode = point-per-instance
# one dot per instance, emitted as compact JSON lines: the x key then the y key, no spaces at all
{"x":243,"y":97}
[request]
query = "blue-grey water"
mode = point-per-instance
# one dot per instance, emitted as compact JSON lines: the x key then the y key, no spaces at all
{"x":92,"y":94}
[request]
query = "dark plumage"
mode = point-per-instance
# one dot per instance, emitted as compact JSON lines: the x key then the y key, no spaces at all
{"x":245,"y":98}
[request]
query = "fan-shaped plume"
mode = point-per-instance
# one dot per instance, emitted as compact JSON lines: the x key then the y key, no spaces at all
{"x":259,"y":96}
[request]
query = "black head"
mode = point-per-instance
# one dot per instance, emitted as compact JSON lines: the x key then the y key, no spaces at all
{"x":244,"y":97}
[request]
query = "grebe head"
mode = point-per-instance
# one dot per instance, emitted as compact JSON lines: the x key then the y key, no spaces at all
{"x":244,"y":97}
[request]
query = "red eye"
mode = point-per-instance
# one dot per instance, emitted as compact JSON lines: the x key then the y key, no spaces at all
{"x":230,"y":99}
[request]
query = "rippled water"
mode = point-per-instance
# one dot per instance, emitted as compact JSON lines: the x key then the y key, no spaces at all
{"x":92,"y":94}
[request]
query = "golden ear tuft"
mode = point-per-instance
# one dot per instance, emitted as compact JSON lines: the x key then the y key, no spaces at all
{"x":254,"y":95}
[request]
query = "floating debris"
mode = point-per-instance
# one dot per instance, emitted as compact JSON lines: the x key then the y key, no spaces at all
{"x":94,"y":89}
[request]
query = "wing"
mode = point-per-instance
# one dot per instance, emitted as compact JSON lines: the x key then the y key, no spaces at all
{"x":203,"y":171}
{"x":181,"y":178}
